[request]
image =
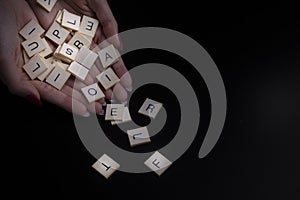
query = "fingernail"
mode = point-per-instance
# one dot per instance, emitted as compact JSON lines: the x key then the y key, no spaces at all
{"x":34,"y":100}
{"x":101,"y":113}
{"x":129,"y":89}
{"x":104,"y":103}
{"x":87,"y":114}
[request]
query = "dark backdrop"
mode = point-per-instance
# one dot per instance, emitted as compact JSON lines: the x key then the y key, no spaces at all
{"x":256,"y":48}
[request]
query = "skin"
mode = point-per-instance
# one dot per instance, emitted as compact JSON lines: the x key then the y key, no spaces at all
{"x":15,"y":15}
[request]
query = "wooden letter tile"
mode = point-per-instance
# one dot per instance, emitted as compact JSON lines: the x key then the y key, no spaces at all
{"x":35,"y":66}
{"x":33,"y":45}
{"x":138,"y":136}
{"x":86,"y":57}
{"x":106,"y":166}
{"x":108,"y":78}
{"x":79,"y":41}
{"x":108,"y":56}
{"x":158,"y":163}
{"x":114,"y":112}
{"x":70,"y":20}
{"x":150,"y":108}
{"x":78,"y":70}
{"x":92,"y":92}
{"x":57,"y":33}
{"x":58,"y":77}
{"x":32,"y":28}
{"x":47,"y":4}
{"x":88,"y":26}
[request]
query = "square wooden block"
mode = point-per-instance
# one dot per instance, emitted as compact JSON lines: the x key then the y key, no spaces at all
{"x":67,"y":52}
{"x":108,"y":56}
{"x":108,"y":78}
{"x":47,"y":51}
{"x":78,"y":70}
{"x":33,"y":45}
{"x":86,"y":57}
{"x":106,"y":166}
{"x":150,"y":108}
{"x":126,"y":117}
{"x":158,"y":163}
{"x":58,"y":77}
{"x":70,"y":20}
{"x":57,"y":33}
{"x":58,"y":17}
{"x":92,"y":92}
{"x":79,"y":41}
{"x":45,"y":74}
{"x":88,"y":26}
{"x":35,"y":66}
{"x":138,"y":136}
{"x":47,"y":4}
{"x":114,"y":112}
{"x":32,"y":28}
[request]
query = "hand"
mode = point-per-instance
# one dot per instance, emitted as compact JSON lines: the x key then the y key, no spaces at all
{"x":107,"y":30}
{"x":13,"y":16}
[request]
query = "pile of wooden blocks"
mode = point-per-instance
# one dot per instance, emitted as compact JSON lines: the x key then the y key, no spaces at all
{"x":73,"y":36}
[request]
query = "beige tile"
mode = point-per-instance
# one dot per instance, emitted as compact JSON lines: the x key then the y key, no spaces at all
{"x":158,"y":163}
{"x":33,"y":45}
{"x":114,"y":112}
{"x":86,"y":57}
{"x":78,"y":70}
{"x":106,"y":166}
{"x":150,"y":108}
{"x":58,"y":77}
{"x":67,"y":52}
{"x":108,"y":56}
{"x":32,"y":28}
{"x":92,"y":92}
{"x":70,"y":20}
{"x":57,"y":33}
{"x":35,"y":66}
{"x":45,"y":74}
{"x":138,"y":136}
{"x":88,"y":26}
{"x":79,"y":41}
{"x":47,"y":4}
{"x":126,"y":117}
{"x":108,"y":78}
{"x":46,"y":52}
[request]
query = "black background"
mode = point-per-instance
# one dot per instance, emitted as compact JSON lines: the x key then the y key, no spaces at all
{"x":256,"y":48}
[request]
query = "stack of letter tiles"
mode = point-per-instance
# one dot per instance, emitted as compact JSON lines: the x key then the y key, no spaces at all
{"x":72,"y":36}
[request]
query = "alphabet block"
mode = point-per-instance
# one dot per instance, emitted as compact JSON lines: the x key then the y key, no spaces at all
{"x":35,"y":66}
{"x":25,"y":56}
{"x":126,"y":117}
{"x":88,"y":26}
{"x":33,"y":45}
{"x":44,"y":75}
{"x":108,"y":78}
{"x":78,"y":70}
{"x":58,"y":17}
{"x":108,"y":56}
{"x":138,"y":136}
{"x":47,"y":4}
{"x":114,"y":112}
{"x":158,"y":163}
{"x":47,"y":51}
{"x":92,"y":92}
{"x":57,"y":33}
{"x":70,"y":20}
{"x":106,"y":166}
{"x":58,"y":77}
{"x":32,"y":28}
{"x":67,"y":52}
{"x":79,"y":41}
{"x":86,"y":57}
{"x":150,"y":108}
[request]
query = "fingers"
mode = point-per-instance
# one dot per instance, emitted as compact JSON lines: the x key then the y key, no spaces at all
{"x":123,"y":74}
{"x":107,"y":20}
